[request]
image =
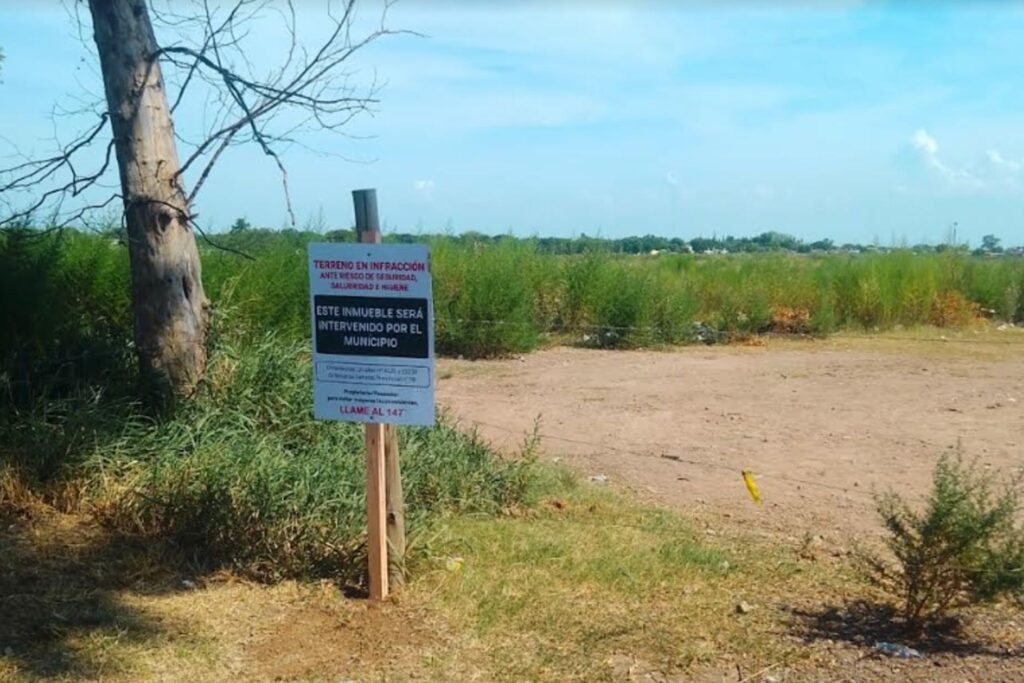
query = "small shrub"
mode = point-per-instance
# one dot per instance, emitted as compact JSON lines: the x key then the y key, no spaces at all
{"x":965,"y":547}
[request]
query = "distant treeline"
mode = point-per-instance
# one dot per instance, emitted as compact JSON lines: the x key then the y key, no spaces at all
{"x":242,"y":233}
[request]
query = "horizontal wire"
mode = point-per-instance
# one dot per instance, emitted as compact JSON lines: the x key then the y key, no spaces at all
{"x":670,"y":456}
{"x":723,"y":333}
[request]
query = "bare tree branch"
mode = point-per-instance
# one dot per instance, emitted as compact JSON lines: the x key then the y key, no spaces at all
{"x":212,"y":54}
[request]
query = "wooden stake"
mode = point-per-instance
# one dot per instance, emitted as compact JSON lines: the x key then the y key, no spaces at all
{"x":395,"y":508}
{"x":368,"y":232}
{"x":376,"y":513}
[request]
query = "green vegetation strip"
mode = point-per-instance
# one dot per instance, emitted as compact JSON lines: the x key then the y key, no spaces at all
{"x":494,"y":297}
{"x":243,"y":476}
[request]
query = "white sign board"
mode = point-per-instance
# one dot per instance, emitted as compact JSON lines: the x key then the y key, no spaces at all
{"x":373,"y":333}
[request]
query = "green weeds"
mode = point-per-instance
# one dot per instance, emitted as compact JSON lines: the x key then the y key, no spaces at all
{"x":243,"y":476}
{"x":499,"y":297}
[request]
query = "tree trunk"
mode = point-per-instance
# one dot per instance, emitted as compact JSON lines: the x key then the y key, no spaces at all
{"x":169,"y":305}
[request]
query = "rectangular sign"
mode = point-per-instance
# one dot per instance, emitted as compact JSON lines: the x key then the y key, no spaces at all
{"x":371,"y":326}
{"x":373,"y":333}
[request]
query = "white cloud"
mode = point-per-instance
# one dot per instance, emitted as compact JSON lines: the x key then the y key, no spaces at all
{"x":678,"y":190}
{"x":927,"y":148}
{"x":424,"y":190}
{"x":925,"y":143}
{"x":998,"y":162}
{"x":1000,"y":171}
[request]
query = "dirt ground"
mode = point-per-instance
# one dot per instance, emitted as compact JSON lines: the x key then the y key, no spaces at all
{"x":821,"y":423}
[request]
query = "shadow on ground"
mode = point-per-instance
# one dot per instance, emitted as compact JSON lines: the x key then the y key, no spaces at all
{"x":60,"y":581}
{"x":864,"y":623}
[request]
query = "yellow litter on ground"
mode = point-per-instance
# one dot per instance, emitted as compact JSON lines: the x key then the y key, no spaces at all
{"x":755,"y":493}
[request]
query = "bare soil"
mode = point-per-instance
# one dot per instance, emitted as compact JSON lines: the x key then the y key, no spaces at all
{"x":821,"y":424}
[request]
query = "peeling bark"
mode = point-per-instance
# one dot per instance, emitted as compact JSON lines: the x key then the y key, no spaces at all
{"x":170,"y":308}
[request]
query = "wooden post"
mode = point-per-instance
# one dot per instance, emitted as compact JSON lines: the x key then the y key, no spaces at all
{"x":395,"y":507}
{"x":377,"y":540}
{"x":390,"y":494}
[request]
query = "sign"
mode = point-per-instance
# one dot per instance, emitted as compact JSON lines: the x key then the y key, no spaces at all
{"x":373,"y":333}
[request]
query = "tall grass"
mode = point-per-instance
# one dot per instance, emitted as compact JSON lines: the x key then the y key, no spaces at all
{"x":487,"y":300}
{"x":503,"y":297}
{"x":243,"y":476}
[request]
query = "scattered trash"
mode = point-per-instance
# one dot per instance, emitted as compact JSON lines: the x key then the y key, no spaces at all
{"x":744,"y":607}
{"x":599,"y":479}
{"x":704,"y":333}
{"x":896,"y":650}
{"x":191,"y":585}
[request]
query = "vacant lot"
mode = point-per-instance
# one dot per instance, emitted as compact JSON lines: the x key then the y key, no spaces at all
{"x":822,"y":424}
{"x":588,"y":584}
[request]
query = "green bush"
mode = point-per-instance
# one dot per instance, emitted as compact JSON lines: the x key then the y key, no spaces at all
{"x":964,"y":548}
{"x":485,"y":298}
{"x":64,"y":306}
{"x":243,"y":476}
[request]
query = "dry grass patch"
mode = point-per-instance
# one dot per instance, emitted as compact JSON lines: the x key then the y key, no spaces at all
{"x":567,"y":591}
{"x":589,"y":585}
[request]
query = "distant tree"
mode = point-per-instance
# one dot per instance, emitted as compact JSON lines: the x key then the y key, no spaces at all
{"x":773,"y":240}
{"x":990,"y":243}
{"x":241,"y":225}
{"x":703,"y":244}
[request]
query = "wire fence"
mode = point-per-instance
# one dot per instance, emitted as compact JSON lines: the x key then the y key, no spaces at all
{"x":668,"y":455}
{"x":724,"y":335}
{"x":68,"y":368}
{"x":81,"y":361}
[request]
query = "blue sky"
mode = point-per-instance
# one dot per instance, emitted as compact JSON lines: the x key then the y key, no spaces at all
{"x":851,"y":120}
